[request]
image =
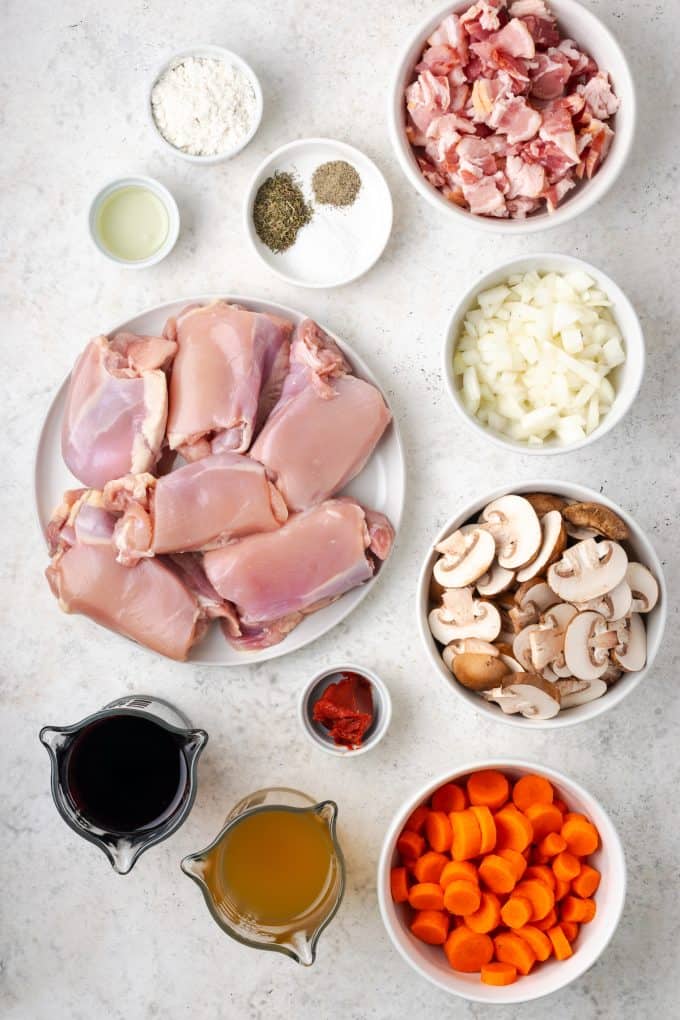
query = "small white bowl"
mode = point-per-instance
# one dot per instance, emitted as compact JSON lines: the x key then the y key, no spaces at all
{"x":220,"y":53}
{"x":162,"y":193}
{"x":576,"y":22}
{"x":655,"y":622}
{"x":338,"y":245}
{"x":319,"y":736}
{"x":625,"y":378}
{"x":430,"y":961}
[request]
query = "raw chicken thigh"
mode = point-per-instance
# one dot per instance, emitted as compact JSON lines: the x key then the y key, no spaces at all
{"x":116,"y":407}
{"x":147,"y":602}
{"x":274,"y":579}
{"x":325,"y":426}
{"x":199,"y":506}
{"x":228,"y":373}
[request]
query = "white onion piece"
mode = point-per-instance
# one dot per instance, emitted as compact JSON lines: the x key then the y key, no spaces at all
{"x":534,"y":357}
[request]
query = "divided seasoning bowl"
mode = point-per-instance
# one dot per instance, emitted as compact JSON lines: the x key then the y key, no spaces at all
{"x":312,"y":693}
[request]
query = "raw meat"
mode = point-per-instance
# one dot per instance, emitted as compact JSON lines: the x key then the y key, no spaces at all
{"x":228,"y":361}
{"x":116,"y":407}
{"x":200,"y":506}
{"x":325,"y":426}
{"x":148,"y":602}
{"x":274,"y":579}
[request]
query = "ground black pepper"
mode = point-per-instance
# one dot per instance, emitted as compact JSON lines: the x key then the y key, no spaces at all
{"x":336,"y":183}
{"x":279,"y":211}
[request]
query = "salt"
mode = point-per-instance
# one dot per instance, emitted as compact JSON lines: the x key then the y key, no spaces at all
{"x":203,"y":105}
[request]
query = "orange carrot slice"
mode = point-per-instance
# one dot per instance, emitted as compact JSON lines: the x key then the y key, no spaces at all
{"x":487,"y":917}
{"x":499,"y":974}
{"x":399,"y":885}
{"x":426,"y":896}
{"x":538,"y":940}
{"x":467,"y":950}
{"x":586,"y":882}
{"x":544,"y":818}
{"x":575,"y":909}
{"x":467,"y":836}
{"x":581,"y":836}
{"x":562,"y":888}
{"x":516,"y":861}
{"x":513,"y":829}
{"x":543,"y":873}
{"x":487,"y":827}
{"x":516,"y":911}
{"x":416,"y":820}
{"x":429,"y":867}
{"x":431,"y":926}
{"x":549,"y":921}
{"x":438,"y":831}
{"x":511,"y":948}
{"x":497,"y":874}
{"x":532,"y":789}
{"x":566,"y":866}
{"x":560,"y":943}
{"x":489,"y":788}
{"x":449,"y":798}
{"x":410,"y":845}
{"x":540,"y":896}
{"x":552,"y":844}
{"x":570,"y":929}
{"x":458,"y":869}
{"x":461,"y":897}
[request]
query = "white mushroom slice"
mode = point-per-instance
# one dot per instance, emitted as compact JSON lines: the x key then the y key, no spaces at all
{"x":462,"y":616}
{"x":586,"y":659}
{"x":644,"y":588}
{"x":467,"y":556}
{"x":521,"y":647}
{"x":546,"y":642}
{"x":531,"y":599}
{"x":615,"y":604}
{"x":478,"y":672}
{"x":588,"y":570}
{"x":553,"y":541}
{"x":516,"y":530}
{"x":630,"y":654}
{"x":579,"y":692}
{"x":511,"y":663}
{"x":507,"y":700}
{"x":496,"y":580}
{"x":461,"y":646}
{"x":580,"y":534}
{"x":534,"y":697}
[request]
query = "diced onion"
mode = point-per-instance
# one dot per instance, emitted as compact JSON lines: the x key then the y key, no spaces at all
{"x":535,"y":355}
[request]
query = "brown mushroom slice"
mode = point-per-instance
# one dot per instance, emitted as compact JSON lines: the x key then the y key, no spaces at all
{"x":630,"y":654}
{"x":644,"y":588}
{"x":496,"y":580}
{"x":462,"y":645}
{"x":588,"y":570}
{"x":598,"y":518}
{"x":466,"y":557}
{"x":553,"y":542}
{"x":580,"y":692}
{"x":615,"y":604}
{"x":544,"y":502}
{"x":478,"y":672}
{"x":515,"y":528}
{"x":586,"y":658}
{"x":529,"y":694}
{"x":462,"y":616}
{"x":546,"y":642}
{"x":531,"y":599}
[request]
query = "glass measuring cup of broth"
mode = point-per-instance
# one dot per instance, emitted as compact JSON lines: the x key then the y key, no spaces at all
{"x":274,"y":877}
{"x":124,"y":778}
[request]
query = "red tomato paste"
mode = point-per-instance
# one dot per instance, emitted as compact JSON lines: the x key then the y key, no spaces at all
{"x":346,"y":709}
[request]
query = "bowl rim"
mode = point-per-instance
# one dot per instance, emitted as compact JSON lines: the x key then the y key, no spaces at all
{"x":219,"y":52}
{"x":385,"y":709}
{"x":633,"y":338}
{"x":352,"y":152}
{"x":583,"y":713}
{"x":614,"y":845}
{"x":584,"y":197}
{"x":161,"y":192}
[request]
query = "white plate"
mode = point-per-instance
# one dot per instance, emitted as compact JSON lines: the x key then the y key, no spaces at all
{"x":380,"y":485}
{"x":337,"y":245}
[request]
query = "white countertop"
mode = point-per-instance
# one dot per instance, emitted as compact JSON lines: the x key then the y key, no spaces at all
{"x":78,"y":941}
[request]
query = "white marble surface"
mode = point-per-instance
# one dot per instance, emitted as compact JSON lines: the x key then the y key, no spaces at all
{"x":78,"y":941}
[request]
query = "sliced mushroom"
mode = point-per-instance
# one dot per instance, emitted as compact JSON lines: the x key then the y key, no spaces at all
{"x":579,"y":692}
{"x":462,"y":616}
{"x":521,"y":647}
{"x":630,"y":654}
{"x":553,"y":542}
{"x":463,"y":645}
{"x":511,"y":663}
{"x":531,"y":599}
{"x":546,"y":642}
{"x":436,"y":591}
{"x":615,"y":604}
{"x":528,"y":694}
{"x":588,"y":570}
{"x":466,"y":557}
{"x":598,"y":518}
{"x":544,"y":502}
{"x":611,"y":675}
{"x":580,"y":534}
{"x":644,"y":588}
{"x":495,"y":581}
{"x":585,"y":657}
{"x":478,"y":672}
{"x":515,"y":528}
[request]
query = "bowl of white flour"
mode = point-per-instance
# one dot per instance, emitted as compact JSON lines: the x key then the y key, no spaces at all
{"x":205,"y":104}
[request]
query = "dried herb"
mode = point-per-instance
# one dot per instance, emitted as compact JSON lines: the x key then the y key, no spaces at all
{"x":280,"y":211}
{"x":336,"y":183}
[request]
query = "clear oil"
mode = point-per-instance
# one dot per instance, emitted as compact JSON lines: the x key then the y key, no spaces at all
{"x":132,"y":223}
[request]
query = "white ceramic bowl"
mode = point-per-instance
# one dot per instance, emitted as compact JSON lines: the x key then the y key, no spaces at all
{"x":430,"y":961}
{"x":220,"y":53}
{"x":318,"y":735}
{"x":171,"y":209}
{"x":655,"y":622}
{"x":625,"y":378}
{"x":576,"y":22}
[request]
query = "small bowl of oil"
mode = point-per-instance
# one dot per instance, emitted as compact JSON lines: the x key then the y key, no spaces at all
{"x":134,"y":222}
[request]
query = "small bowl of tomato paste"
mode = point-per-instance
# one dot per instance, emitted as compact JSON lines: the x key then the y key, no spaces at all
{"x":345,"y":709}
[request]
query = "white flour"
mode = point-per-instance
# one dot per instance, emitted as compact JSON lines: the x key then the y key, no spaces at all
{"x":203,"y":106}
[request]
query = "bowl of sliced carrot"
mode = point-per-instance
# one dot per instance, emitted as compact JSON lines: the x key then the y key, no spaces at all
{"x":501,"y":882}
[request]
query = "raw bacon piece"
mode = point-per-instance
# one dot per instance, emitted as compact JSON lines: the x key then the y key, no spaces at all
{"x":581,"y":63}
{"x":485,"y":198}
{"x":450,"y":33}
{"x":482,"y":18}
{"x":557,"y":127}
{"x":526,"y":179}
{"x":427,"y":98}
{"x":514,"y":118}
{"x":600,"y":100}
{"x":549,"y":73}
{"x":538,"y":20}
{"x":514,"y":40}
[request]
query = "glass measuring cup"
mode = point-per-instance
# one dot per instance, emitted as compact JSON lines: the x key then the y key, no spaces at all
{"x":298,"y":937}
{"x":124,"y":844}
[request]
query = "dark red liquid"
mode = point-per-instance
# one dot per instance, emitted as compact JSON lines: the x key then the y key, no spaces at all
{"x":125,"y":773}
